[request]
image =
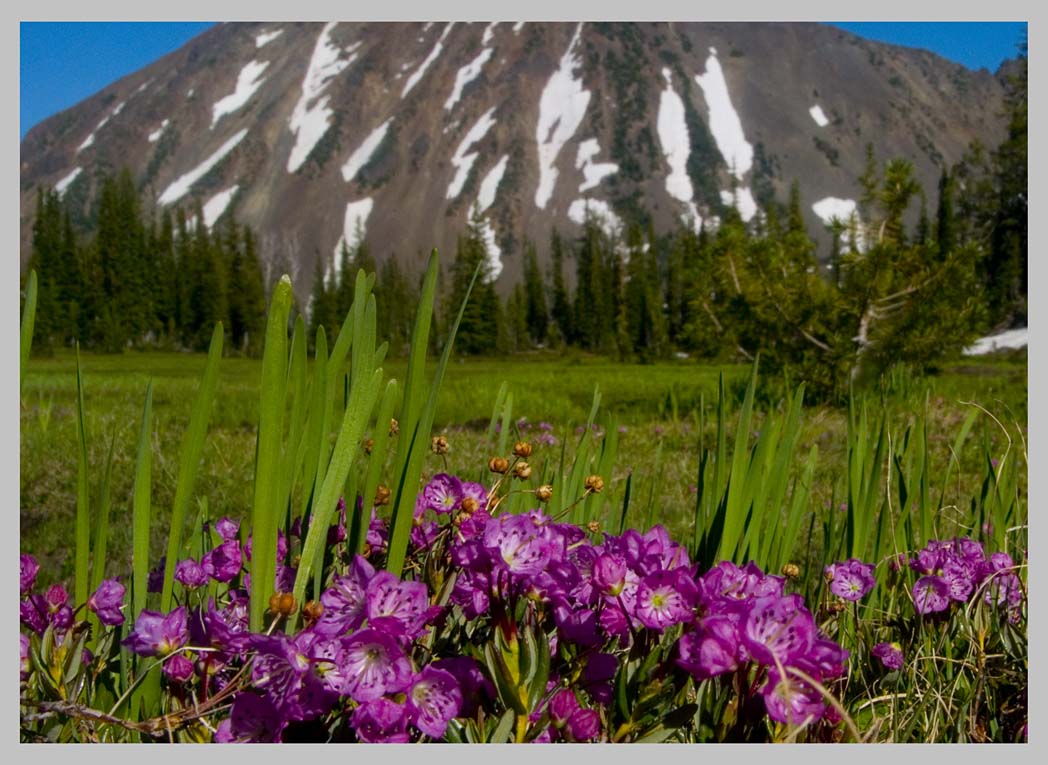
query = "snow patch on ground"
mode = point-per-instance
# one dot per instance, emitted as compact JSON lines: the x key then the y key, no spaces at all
{"x":364,"y":152}
{"x":492,"y":248}
{"x":249,"y":81}
{"x":830,"y":209}
{"x":267,"y":37}
{"x":593,"y":172}
{"x":489,"y":186}
{"x":489,"y":33}
{"x":561,"y":108}
{"x":66,"y":182}
{"x":155,"y":135}
{"x":724,"y":120}
{"x":357,"y":214}
{"x":418,"y":73}
{"x":181,"y":186}
{"x":217,"y":205}
{"x":742,"y":200}
{"x":466,"y":75}
{"x":599,"y":209}
{"x":312,"y":115}
{"x":1013,"y":338}
{"x":190,"y":92}
{"x":462,"y":161}
{"x":676,"y":146}
{"x":91,"y":138}
{"x":818,"y":115}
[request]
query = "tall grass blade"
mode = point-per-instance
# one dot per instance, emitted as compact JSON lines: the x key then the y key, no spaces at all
{"x":28,"y":321}
{"x":189,"y":462}
{"x":83,"y":501}
{"x":266,"y":508}
{"x":141,"y":509}
{"x":98,"y":549}
{"x":377,"y":460}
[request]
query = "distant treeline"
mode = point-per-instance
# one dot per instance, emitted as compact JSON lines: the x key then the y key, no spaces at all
{"x":890,"y":294}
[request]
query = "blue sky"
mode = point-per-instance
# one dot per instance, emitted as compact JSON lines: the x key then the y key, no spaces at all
{"x":63,"y":63}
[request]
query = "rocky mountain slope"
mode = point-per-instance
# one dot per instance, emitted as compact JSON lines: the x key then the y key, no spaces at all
{"x":316,"y":133}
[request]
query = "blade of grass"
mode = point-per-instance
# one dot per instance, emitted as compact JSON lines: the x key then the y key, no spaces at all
{"x":189,"y":462}
{"x":141,"y":513}
{"x":83,"y":501}
{"x":28,"y":322}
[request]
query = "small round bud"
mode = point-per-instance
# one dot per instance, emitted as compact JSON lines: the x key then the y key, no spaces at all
{"x":498,"y":464}
{"x":369,"y":445}
{"x":312,"y":610}
{"x":287,"y":603}
{"x":791,"y":571}
{"x":469,"y":505}
{"x":381,"y":495}
{"x":544,"y":493}
{"x":274,"y":603}
{"x":595,"y":484}
{"x":367,"y":550}
{"x":593,"y":526}
{"x":522,"y":470}
{"x":522,"y":449}
{"x":439,"y":444}
{"x":461,"y":518}
{"x":394,"y":426}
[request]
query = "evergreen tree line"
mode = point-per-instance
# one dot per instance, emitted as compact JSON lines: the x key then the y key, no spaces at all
{"x":143,"y":279}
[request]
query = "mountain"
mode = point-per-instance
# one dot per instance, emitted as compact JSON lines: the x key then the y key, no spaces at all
{"x":313,"y":133}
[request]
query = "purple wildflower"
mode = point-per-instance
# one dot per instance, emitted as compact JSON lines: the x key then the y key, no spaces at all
{"x":779,"y":629}
{"x":890,"y":654}
{"x":665,"y":598}
{"x":23,"y":655}
{"x":178,"y":668}
{"x":223,"y":562}
{"x":157,"y":634}
{"x":609,"y":573}
{"x":402,"y":606}
{"x":253,"y":719}
{"x":433,"y":700}
{"x":155,"y":580}
{"x":473,"y":683}
{"x":931,"y":594}
{"x":374,"y":665}
{"x":562,"y":706}
{"x":106,"y":602}
{"x":712,"y":649}
{"x":345,"y":602}
{"x":791,"y":700}
{"x":517,"y":544}
{"x":381,"y":721}
{"x":850,"y":580}
{"x":28,"y":567}
{"x":33,"y":613}
{"x":584,"y":725}
{"x":190,"y":574}
{"x":597,"y":676}
{"x":227,"y":529}
{"x":443,"y":494}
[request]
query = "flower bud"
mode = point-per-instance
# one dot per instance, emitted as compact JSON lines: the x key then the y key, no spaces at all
{"x":595,"y":484}
{"x":544,"y":493}
{"x":593,"y":526}
{"x":287,"y":603}
{"x":522,"y":470}
{"x":369,"y":445}
{"x":394,"y":426}
{"x":439,"y":444}
{"x":274,"y":603}
{"x":498,"y":464}
{"x":469,"y":505}
{"x":791,"y":571}
{"x":381,"y":495}
{"x":312,"y":610}
{"x":522,"y":449}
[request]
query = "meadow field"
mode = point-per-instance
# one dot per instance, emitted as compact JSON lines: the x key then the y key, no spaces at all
{"x":663,"y":415}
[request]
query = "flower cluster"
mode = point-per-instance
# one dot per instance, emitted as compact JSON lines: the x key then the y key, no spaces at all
{"x":958,"y":569}
{"x":850,"y":580}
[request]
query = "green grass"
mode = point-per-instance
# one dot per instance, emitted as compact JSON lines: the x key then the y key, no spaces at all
{"x":654,"y":410}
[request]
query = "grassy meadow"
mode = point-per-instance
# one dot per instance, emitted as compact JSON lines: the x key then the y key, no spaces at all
{"x":663,"y":415}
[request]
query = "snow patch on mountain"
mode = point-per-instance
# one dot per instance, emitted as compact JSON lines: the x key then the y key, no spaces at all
{"x":66,"y":182}
{"x":830,"y":209}
{"x":494,"y":252}
{"x":742,"y":200}
{"x":353,"y":228}
{"x":600,"y":210}
{"x":724,"y":120}
{"x":249,"y":81}
{"x":489,"y":186}
{"x":181,"y":186}
{"x":155,"y":135}
{"x":217,"y":205}
{"x":91,"y":138}
{"x":312,"y":115}
{"x":418,"y":73}
{"x":518,"y":26}
{"x":818,"y":115}
{"x":561,"y":109}
{"x":676,"y":146}
{"x":462,"y":161}
{"x":1013,"y":338}
{"x":489,"y":33}
{"x":592,"y":172}
{"x":267,"y":37}
{"x":365,"y":151}
{"x":143,"y":86}
{"x":466,"y":75}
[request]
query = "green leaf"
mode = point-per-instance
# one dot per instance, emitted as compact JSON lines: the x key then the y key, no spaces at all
{"x":189,"y":462}
{"x":28,"y":320}
{"x":266,"y":508}
{"x":83,"y":502}
{"x":503,"y":730}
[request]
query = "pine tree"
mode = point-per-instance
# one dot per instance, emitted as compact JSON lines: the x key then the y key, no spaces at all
{"x":478,"y":332}
{"x":945,"y":235}
{"x":562,"y":311}
{"x":537,"y":316}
